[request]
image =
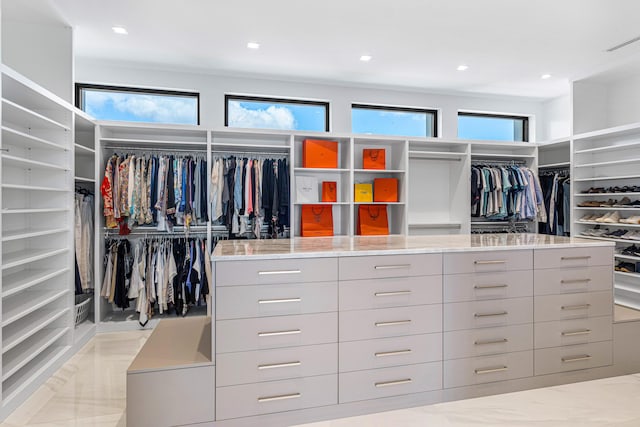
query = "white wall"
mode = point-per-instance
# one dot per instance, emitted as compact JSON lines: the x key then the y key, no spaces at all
{"x":212,"y":89}
{"x":590,"y":110}
{"x":556,"y":118}
{"x":38,"y":44}
{"x":623,"y":101}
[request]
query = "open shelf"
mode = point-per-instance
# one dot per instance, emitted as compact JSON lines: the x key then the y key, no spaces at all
{"x":605,"y":178}
{"x":174,"y":144}
{"x":605,"y":194}
{"x":15,"y":113}
{"x":15,"y":334}
{"x":555,"y":165}
{"x":609,"y":148}
{"x":37,"y":366}
{"x":373,"y":171}
{"x":609,"y":163}
{"x":629,"y":257}
{"x":29,"y":233}
{"x":29,"y":350}
{"x":82,"y":148}
{"x":321,"y":170}
{"x":609,"y":224}
{"x":436,"y":155}
{"x":18,"y":306}
{"x":623,"y":274}
{"x":435,"y":225}
{"x":501,"y":156}
{"x":615,"y":131}
{"x":34,"y":188}
{"x":32,"y":163}
{"x":583,"y":208}
{"x":32,"y":141}
{"x":322,"y":203}
{"x":22,"y":280}
{"x":606,"y":239}
{"x":379,"y":203}
{"x":14,"y":259}
{"x":83,"y":179}
{"x":33,"y":210}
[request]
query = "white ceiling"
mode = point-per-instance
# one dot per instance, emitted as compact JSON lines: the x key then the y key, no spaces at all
{"x":415,"y":44}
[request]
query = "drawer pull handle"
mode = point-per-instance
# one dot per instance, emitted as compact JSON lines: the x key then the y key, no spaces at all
{"x":576,"y":358}
{"x":572,"y":333}
{"x":280,"y":365}
{"x":491,"y":370}
{"x":498,"y":261}
{"x":573,"y":258}
{"x":269,"y":273}
{"x":490,"y":286}
{"x":498,"y":341}
{"x":502,"y":313}
{"x":280,"y":397}
{"x":392,"y":294}
{"x":396,"y":382}
{"x":576,"y":307}
{"x":276,"y":333}
{"x":393,"y":323}
{"x":275,"y":301}
{"x":565,"y":282}
{"x":392,"y":267}
{"x":393,"y":353}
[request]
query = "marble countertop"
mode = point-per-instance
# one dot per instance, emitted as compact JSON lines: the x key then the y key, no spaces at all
{"x":386,"y":245}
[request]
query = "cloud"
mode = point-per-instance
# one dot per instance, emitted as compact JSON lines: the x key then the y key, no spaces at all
{"x":142,"y":107}
{"x":273,"y":117}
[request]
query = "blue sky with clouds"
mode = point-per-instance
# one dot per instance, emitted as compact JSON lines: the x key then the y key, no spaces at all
{"x":138,"y":107}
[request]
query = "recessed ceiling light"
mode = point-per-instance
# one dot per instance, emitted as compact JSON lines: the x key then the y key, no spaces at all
{"x":462,"y":67}
{"x":253,"y":45}
{"x":365,"y":58}
{"x":545,"y":76}
{"x":120,"y":30}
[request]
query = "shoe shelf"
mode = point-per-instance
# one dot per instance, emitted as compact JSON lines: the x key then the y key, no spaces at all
{"x":17,"y":333}
{"x":33,"y":164}
{"x":609,"y":148}
{"x":606,"y":194}
{"x":23,"y":280}
{"x":554,"y":165}
{"x":623,"y":274}
{"x":605,"y":178}
{"x":609,"y":163}
{"x":636,"y":208}
{"x":607,"y":239}
{"x":628,"y":257}
{"x":612,"y":224}
{"x":21,"y":138}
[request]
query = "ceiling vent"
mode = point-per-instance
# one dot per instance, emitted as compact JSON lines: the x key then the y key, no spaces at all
{"x":621,"y":45}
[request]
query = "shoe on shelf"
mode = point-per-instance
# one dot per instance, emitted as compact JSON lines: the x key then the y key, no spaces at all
{"x":594,"y":190}
{"x":635,"y":203}
{"x":634,"y":235}
{"x":635,"y":219}
{"x":613,"y":218}
{"x":630,"y":250}
{"x":625,"y":267}
{"x":604,"y":217}
{"x":624,"y":202}
{"x":609,"y":203}
{"x":599,"y":232}
{"x":590,"y":204}
{"x":589,"y":218}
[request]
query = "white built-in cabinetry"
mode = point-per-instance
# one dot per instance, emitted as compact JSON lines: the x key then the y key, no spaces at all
{"x":36,"y":209}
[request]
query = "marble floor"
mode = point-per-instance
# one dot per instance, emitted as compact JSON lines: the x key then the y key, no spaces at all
{"x":89,"y":390}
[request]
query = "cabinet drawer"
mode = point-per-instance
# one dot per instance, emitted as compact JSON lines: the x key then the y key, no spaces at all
{"x":483,"y":314}
{"x":487,"y":341}
{"x":573,"y":279}
{"x":276,"y":332}
{"x":573,"y":357}
{"x":375,"y":267}
{"x":385,"y":352}
{"x":573,"y":306}
{"x":390,"y":322}
{"x":484,"y":286}
{"x":278,"y":364}
{"x":276,"y":396}
{"x":485,"y":261}
{"x":393,"y":292}
{"x":295,"y":270}
{"x":385,"y":382}
{"x":577,"y":331}
{"x":486,"y":369}
{"x":573,"y":257}
{"x":237,"y":302}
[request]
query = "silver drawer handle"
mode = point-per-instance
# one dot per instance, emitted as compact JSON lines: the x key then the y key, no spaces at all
{"x":573,"y":258}
{"x":269,"y":273}
{"x":502,"y":313}
{"x":274,"y":301}
{"x":490,"y":286}
{"x":394,"y":323}
{"x":572,"y":333}
{"x":500,"y":261}
{"x":491,"y":370}
{"x":576,"y":307}
{"x":393,"y":353}
{"x":396,"y":382}
{"x":280,"y":397}
{"x":280,"y":365}
{"x":498,"y":341}
{"x":576,"y":358}
{"x":565,"y":282}
{"x":392,"y":294}
{"x":276,"y":333}
{"x":392,"y":267}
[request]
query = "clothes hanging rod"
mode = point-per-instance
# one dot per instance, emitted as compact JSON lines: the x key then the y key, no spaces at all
{"x":156,"y":234}
{"x":249,"y":153}
{"x":161,"y":150}
{"x":498,"y":162}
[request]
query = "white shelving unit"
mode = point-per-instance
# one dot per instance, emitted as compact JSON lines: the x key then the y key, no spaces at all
{"x":609,"y":158}
{"x":37,"y":235}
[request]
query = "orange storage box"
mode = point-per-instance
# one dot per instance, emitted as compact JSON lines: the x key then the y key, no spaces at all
{"x":372,"y":220}
{"x":385,"y":190}
{"x":329,"y":191}
{"x":374,"y":158}
{"x":316,"y":221}
{"x":318,"y":153}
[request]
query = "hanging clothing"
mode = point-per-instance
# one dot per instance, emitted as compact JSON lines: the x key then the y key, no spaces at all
{"x":83,"y":238}
{"x":556,"y":188}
